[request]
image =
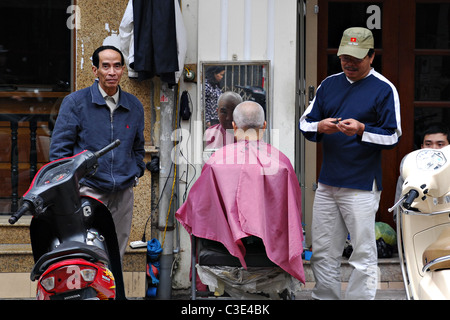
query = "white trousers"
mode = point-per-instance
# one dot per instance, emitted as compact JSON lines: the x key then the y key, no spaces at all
{"x":337,"y":212}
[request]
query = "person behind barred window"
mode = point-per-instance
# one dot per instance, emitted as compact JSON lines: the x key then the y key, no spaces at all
{"x":213,"y":77}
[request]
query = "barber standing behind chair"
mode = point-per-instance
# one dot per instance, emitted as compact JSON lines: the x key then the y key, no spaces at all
{"x":248,"y":188}
{"x":93,"y":117}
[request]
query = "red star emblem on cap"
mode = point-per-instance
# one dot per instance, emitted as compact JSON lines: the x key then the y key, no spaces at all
{"x":353,"y":39}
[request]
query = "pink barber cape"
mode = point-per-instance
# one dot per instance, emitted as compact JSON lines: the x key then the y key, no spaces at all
{"x":248,"y":188}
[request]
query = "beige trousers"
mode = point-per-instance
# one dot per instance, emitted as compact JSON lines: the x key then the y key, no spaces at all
{"x":120,"y":204}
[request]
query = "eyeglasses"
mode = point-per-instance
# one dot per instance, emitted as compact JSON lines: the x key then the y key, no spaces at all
{"x":349,"y":59}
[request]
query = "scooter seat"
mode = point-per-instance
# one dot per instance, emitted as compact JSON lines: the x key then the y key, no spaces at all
{"x":68,"y":250}
{"x":439,"y":248}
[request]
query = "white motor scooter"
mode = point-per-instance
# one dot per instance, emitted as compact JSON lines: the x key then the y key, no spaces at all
{"x":423,"y":224}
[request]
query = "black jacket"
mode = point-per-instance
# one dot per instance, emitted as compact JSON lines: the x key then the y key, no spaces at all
{"x":155,"y":40}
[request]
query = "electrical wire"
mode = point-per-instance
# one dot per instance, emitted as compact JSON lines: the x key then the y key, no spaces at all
{"x":162,"y":191}
{"x":188,"y":182}
{"x":173,"y":166}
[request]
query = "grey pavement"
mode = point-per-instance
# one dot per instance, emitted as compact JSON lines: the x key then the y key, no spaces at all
{"x":381,"y":295}
{"x":306,"y":295}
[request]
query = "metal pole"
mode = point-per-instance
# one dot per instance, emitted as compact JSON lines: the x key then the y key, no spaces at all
{"x":166,"y":179}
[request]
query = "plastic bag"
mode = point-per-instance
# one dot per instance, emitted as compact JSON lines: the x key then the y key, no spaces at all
{"x":386,"y":239}
{"x":385,"y":231}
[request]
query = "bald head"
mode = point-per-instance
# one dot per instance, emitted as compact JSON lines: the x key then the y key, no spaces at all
{"x":229,"y":96}
{"x":248,"y":120}
{"x":249,"y":115}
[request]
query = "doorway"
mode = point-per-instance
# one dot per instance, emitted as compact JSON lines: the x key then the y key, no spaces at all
{"x":412,"y":46}
{"x":35,"y":76}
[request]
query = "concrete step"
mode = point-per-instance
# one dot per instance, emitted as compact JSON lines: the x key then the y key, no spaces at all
{"x":15,"y":246}
{"x":390,"y":273}
{"x":19,"y":258}
{"x":16,"y":258}
{"x":16,"y":263}
{"x":16,"y":233}
{"x":16,"y":253}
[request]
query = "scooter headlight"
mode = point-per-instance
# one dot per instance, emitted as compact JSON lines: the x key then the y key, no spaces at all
{"x":429,"y":159}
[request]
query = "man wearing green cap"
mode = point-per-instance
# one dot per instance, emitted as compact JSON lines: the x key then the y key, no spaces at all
{"x":355,"y":114}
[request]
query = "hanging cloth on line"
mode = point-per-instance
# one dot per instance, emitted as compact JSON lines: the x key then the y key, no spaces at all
{"x":153,"y":39}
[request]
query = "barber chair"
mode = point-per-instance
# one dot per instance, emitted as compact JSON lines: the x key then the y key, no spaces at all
{"x":213,"y":254}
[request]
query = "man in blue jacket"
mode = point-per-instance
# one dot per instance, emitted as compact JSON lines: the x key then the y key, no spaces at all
{"x":93,"y":117}
{"x":355,"y":114}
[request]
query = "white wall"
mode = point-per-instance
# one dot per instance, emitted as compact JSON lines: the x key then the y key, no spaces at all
{"x":220,"y":30}
{"x":256,"y":30}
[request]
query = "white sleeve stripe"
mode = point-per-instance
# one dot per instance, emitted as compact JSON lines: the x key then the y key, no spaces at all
{"x":380,"y":139}
{"x":396,"y":102}
{"x":306,"y":126}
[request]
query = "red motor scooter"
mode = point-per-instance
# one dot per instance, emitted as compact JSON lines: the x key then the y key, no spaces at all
{"x":73,"y":237}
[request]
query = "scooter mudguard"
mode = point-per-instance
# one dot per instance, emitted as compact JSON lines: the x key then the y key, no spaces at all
{"x":45,"y":233}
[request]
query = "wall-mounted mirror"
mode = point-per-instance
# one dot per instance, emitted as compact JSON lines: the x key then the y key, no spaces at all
{"x":248,"y":79}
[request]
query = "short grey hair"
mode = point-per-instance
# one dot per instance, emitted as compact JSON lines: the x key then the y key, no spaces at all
{"x":249,"y":115}
{"x":230,"y":96}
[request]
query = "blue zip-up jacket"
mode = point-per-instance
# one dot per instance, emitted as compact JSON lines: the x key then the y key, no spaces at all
{"x":85,"y":122}
{"x":355,"y":161}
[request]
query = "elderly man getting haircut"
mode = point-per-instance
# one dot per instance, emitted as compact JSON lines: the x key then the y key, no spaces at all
{"x":248,"y":188}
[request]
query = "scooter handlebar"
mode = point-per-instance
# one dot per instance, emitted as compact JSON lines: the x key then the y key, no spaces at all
{"x":106,"y":149}
{"x":19,"y":213}
{"x":412,"y":194}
